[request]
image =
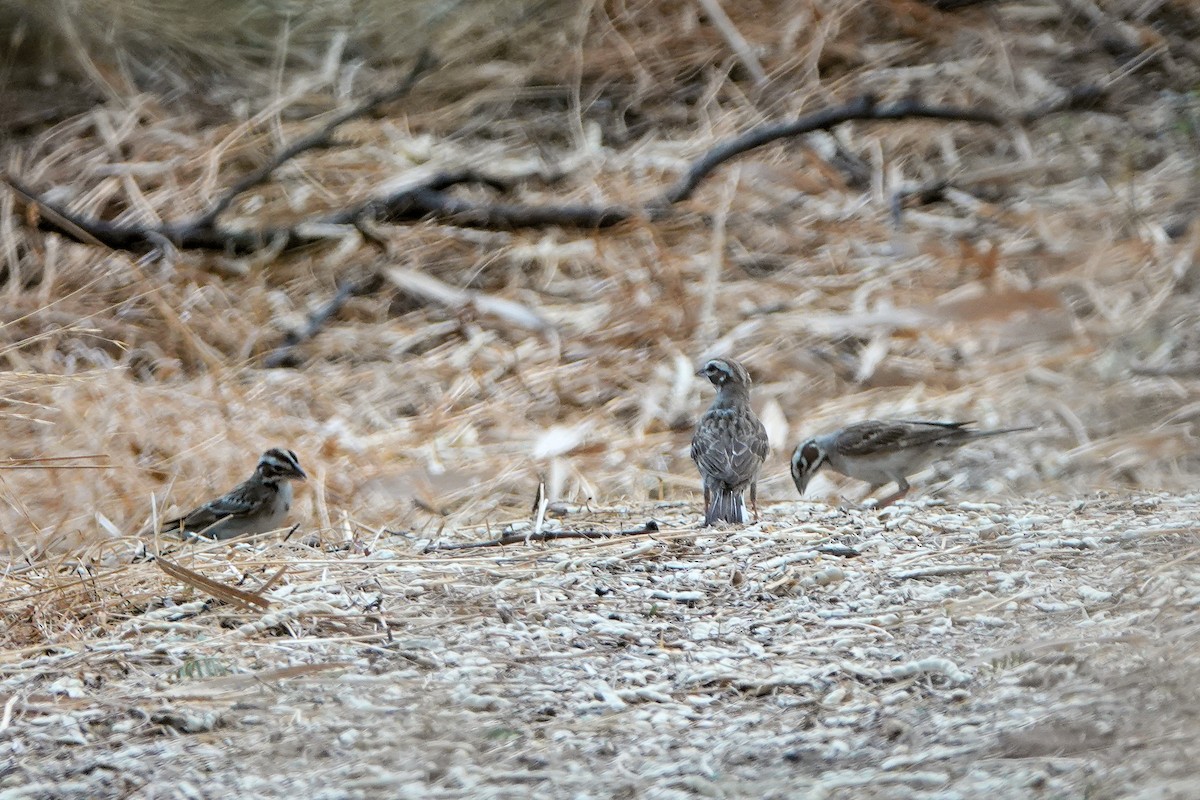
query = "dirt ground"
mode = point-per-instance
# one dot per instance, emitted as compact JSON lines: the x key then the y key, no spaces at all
{"x":1022,"y":626}
{"x":1025,"y":649}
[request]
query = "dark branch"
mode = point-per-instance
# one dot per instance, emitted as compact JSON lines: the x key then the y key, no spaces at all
{"x":320,"y":138}
{"x":544,"y":536}
{"x":425,"y":203}
{"x":137,"y":238}
{"x":187,"y":236}
{"x":405,"y":204}
{"x":864,"y":108}
{"x":1081,"y":98}
{"x":955,"y":5}
{"x":430,"y":199}
{"x":285,"y":355}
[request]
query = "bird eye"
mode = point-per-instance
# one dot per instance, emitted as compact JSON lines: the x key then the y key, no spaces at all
{"x":809,"y":454}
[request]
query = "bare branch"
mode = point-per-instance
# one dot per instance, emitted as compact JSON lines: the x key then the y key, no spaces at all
{"x":864,"y":108}
{"x":320,"y":138}
{"x":431,"y":200}
{"x":545,"y":536}
{"x":285,"y":354}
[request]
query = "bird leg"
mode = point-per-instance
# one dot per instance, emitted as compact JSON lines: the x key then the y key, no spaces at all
{"x":754,"y":500}
{"x":902,"y":488}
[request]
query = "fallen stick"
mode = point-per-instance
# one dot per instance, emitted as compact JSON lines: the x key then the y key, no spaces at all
{"x":544,"y":536}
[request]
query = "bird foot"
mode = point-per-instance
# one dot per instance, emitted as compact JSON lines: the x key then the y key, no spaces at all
{"x":884,"y":502}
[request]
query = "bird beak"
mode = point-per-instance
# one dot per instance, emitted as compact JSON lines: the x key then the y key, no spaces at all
{"x":699,"y":373}
{"x":801,"y":480}
{"x":300,"y":474}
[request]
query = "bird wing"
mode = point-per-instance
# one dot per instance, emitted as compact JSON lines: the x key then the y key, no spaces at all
{"x":759,"y":444}
{"x":730,"y":451}
{"x":241,"y":502}
{"x":877,"y":437}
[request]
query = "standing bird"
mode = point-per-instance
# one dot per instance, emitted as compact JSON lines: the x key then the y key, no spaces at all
{"x":730,"y":444}
{"x":879,"y":451}
{"x":258,"y":504}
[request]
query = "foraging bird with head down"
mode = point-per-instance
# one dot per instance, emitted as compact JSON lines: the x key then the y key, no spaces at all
{"x":258,"y":504}
{"x":882,"y":451}
{"x":729,"y":445}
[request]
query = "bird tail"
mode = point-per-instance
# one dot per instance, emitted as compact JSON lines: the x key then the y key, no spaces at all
{"x":998,"y":431}
{"x":726,"y":506}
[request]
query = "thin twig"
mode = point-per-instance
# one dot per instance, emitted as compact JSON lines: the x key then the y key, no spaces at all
{"x":545,"y":536}
{"x":954,"y":5}
{"x":285,"y":354}
{"x":1169,"y":371}
{"x":733,"y":37}
{"x":320,"y":138}
{"x":271,"y":581}
{"x":53,"y":462}
{"x":250,"y":601}
{"x":431,"y":290}
{"x":939,"y":571}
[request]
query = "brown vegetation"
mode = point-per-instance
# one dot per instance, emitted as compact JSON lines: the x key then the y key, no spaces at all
{"x":1028,"y":269}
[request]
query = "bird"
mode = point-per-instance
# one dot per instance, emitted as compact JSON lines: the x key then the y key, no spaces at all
{"x":729,"y":445}
{"x":258,"y":504}
{"x":881,"y":451}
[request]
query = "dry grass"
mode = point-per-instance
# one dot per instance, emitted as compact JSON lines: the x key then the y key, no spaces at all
{"x":236,"y":46}
{"x":1021,"y":299}
{"x":1053,"y":285}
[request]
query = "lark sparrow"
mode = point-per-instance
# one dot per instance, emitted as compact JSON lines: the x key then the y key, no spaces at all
{"x":730,"y":444}
{"x":882,"y":451}
{"x":258,"y":504}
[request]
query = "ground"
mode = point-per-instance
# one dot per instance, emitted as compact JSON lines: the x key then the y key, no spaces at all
{"x":932,"y":650}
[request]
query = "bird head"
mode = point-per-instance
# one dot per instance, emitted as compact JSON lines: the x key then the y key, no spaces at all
{"x":278,"y":464}
{"x":806,"y":460}
{"x":723,"y":372}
